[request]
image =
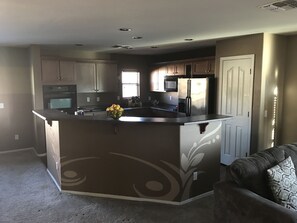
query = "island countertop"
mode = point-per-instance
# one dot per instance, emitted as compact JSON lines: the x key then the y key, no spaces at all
{"x":54,"y":115}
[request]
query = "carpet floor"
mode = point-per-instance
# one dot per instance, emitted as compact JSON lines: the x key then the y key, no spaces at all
{"x":28,"y":195}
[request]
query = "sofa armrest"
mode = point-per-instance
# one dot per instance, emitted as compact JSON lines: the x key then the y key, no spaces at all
{"x":237,"y":204}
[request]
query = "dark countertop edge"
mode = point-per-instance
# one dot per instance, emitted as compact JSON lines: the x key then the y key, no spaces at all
{"x":51,"y":115}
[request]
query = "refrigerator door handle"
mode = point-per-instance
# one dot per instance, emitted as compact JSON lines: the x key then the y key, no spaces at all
{"x":188,"y":105}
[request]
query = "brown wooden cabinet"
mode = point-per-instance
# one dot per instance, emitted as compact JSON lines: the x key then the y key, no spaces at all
{"x":96,"y":77}
{"x":85,"y":73}
{"x":176,"y":69}
{"x":107,"y":76}
{"x":57,"y":71}
{"x":157,"y":78}
{"x":203,"y":66}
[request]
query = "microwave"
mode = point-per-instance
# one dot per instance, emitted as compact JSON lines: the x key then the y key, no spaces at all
{"x":171,"y":84}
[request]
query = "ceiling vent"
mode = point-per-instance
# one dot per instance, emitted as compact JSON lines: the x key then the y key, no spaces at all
{"x":280,"y":5}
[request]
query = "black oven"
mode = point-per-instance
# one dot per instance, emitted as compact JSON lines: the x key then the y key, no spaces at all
{"x":60,"y":97}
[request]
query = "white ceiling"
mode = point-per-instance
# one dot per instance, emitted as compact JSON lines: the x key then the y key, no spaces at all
{"x":162,"y":23}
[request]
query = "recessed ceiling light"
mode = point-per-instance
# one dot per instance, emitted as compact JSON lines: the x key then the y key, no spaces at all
{"x":117,"y":46}
{"x":188,"y":39}
{"x":123,"y":46}
{"x":137,"y":37}
{"x":123,"y":29}
{"x":128,"y":47}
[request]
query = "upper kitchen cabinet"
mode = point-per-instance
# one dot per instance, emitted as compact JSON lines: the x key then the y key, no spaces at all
{"x":86,"y":78}
{"x":157,"y":78}
{"x":206,"y":66}
{"x":96,"y":77}
{"x":57,"y":71}
{"x":107,"y":76}
{"x":176,"y":69}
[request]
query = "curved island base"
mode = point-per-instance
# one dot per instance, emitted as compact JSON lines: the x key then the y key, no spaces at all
{"x":134,"y":158}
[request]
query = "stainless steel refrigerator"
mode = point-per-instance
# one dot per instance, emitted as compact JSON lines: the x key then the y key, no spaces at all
{"x":193,"y":96}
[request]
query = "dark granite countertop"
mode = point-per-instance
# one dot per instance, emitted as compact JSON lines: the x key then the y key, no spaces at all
{"x":54,"y":115}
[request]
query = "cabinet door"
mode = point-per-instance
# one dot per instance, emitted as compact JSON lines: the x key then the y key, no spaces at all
{"x":161,"y":76}
{"x":50,"y":71}
{"x":154,"y":79}
{"x":157,"y":78}
{"x":180,"y":69}
{"x":176,"y":69}
{"x":171,"y":69}
{"x":201,"y":67}
{"x":107,"y":77}
{"x":85,"y":77}
{"x":67,"y":71}
{"x":212,"y":66}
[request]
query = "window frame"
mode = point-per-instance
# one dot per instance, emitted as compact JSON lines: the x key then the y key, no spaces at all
{"x":132,"y":84}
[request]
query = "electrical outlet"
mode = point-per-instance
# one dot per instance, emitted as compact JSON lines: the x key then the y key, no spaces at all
{"x":16,"y":137}
{"x":88,"y":99}
{"x":98,"y":99}
{"x":195,"y":175}
{"x":170,"y":97}
{"x":1,"y":105}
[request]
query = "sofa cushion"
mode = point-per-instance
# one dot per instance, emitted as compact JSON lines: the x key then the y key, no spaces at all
{"x":283,"y":183}
{"x":290,"y":150}
{"x":251,"y":172}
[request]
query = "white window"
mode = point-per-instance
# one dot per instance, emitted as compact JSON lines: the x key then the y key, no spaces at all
{"x":130,"y":84}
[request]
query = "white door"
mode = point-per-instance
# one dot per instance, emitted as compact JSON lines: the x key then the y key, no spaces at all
{"x":236,"y":74}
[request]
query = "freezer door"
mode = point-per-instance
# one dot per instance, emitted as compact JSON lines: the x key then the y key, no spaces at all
{"x":199,"y":95}
{"x":182,"y":88}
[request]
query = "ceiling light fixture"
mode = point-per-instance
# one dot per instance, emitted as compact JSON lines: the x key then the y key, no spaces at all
{"x":188,"y":39}
{"x":123,"y":29}
{"x":128,"y":47}
{"x":154,"y":47}
{"x":78,"y":44}
{"x":137,"y":37}
{"x":117,"y":46}
{"x":280,"y":5}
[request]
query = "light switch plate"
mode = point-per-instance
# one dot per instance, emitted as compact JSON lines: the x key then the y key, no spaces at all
{"x":88,"y":99}
{"x":1,"y":105}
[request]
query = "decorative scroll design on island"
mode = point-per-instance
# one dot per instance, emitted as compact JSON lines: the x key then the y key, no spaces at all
{"x":160,"y":179}
{"x":71,"y":177}
{"x":180,"y":185}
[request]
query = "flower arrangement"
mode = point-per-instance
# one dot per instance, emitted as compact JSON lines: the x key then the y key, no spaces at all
{"x":115,"y":111}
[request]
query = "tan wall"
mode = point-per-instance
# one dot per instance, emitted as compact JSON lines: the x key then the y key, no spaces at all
{"x":252,"y":44}
{"x":289,"y":127}
{"x":15,"y":93}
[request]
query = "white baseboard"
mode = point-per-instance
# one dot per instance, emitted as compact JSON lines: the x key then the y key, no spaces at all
{"x":16,"y":150}
{"x":22,"y":150}
{"x":138,"y":198}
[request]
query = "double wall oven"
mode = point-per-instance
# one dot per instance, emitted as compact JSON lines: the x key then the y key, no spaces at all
{"x":60,"y":97}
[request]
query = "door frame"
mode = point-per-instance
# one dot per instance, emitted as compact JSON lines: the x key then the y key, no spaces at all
{"x":252,"y":72}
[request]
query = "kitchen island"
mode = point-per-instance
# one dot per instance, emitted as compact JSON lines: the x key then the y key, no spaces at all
{"x":169,"y":160}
